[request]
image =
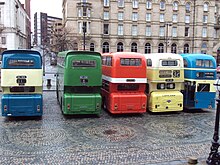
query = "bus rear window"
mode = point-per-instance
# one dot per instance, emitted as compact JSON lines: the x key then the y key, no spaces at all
{"x":12,"y":62}
{"x":128,"y":87}
{"x":22,"y":89}
{"x":84,"y":63}
{"x":203,"y":88}
{"x":130,"y":61}
{"x":169,"y":62}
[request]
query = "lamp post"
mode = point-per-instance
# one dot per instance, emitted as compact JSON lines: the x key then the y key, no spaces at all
{"x":84,"y":37}
{"x":166,"y":37}
{"x":214,"y":155}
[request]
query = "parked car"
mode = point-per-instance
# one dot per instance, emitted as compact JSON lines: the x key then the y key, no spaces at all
{"x":53,"y":59}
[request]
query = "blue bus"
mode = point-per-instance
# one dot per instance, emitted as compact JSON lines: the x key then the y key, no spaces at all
{"x":199,"y":77}
{"x":22,"y":83}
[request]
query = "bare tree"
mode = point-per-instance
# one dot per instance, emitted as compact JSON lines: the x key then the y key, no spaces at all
{"x":60,"y":39}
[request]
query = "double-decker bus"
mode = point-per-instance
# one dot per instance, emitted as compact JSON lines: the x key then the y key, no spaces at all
{"x":200,"y":75}
{"x":123,"y":82}
{"x":165,"y":77}
{"x":22,"y":83}
{"x":79,"y":81}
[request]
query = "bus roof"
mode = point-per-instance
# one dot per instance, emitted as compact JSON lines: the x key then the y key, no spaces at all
{"x":73,"y":52}
{"x":33,"y":56}
{"x":195,"y":56}
{"x":21,"y":51}
{"x":123,"y":54}
{"x":158,"y":56}
{"x":162,"y":55}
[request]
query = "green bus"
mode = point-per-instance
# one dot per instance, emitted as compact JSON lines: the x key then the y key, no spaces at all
{"x":78,"y":82}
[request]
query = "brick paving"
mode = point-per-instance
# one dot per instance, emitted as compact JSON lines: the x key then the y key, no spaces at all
{"x":165,"y":139}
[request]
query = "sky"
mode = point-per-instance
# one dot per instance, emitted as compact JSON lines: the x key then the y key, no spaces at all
{"x":51,"y":7}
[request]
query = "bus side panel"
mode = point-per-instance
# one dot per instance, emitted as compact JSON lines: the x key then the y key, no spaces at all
{"x":205,"y":100}
{"x":22,"y":105}
{"x":127,"y":103}
{"x":82,"y":103}
{"x":164,"y":102}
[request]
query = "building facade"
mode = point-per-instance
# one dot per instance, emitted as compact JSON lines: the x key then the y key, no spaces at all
{"x":43,"y":25}
{"x":145,"y":26}
{"x":15,"y":26}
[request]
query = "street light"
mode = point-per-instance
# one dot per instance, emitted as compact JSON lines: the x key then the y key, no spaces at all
{"x":84,"y":37}
{"x":214,"y":155}
{"x":167,"y":30}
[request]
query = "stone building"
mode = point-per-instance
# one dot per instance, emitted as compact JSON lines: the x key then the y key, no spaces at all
{"x":15,"y":26}
{"x":144,"y":25}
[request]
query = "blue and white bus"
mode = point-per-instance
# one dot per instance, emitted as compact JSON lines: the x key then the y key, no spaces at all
{"x":22,"y":83}
{"x":199,"y":77}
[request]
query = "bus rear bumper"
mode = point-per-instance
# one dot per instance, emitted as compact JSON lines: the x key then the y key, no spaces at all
{"x":22,"y":105}
{"x":82,"y":104}
{"x":166,"y":101}
{"x":127,"y":103}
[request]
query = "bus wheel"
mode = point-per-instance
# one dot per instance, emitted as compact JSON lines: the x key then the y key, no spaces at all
{"x":104,"y":104}
{"x":61,"y":105}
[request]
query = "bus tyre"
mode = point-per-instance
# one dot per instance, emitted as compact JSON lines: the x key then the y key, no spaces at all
{"x":104,"y":104}
{"x":61,"y":105}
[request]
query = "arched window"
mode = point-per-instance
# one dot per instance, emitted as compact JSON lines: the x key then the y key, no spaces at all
{"x":134,"y":47}
{"x":187,"y":7}
{"x":206,"y":7}
{"x":186,"y":48}
{"x":147,"y":48}
{"x":175,"y":5}
{"x":105,"y":47}
{"x":75,"y":46}
{"x":160,"y":48}
{"x":120,"y":47}
{"x":92,"y":47}
{"x":173,"y":48}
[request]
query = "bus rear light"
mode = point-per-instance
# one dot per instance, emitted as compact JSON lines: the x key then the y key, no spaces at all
{"x":68,"y":106}
{"x":116,"y":106}
{"x":143,"y":106}
{"x":38,"y":108}
{"x":5,"y":107}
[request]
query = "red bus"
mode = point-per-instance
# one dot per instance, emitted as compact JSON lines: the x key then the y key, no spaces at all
{"x":123,"y":82}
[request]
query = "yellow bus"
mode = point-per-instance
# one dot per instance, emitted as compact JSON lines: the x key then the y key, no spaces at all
{"x":165,"y":75}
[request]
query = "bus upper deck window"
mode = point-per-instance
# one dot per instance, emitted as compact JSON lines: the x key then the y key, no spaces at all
{"x":208,"y":64}
{"x":84,"y":63}
{"x":169,"y":62}
{"x":130,"y":61}
{"x":149,"y":62}
{"x":199,"y":63}
{"x":185,"y":63}
{"x":14,"y":62}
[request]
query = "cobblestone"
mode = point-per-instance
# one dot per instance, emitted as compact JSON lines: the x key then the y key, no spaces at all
{"x":165,"y":139}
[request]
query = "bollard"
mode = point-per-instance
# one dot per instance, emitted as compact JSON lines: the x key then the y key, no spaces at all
{"x":49,"y":83}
